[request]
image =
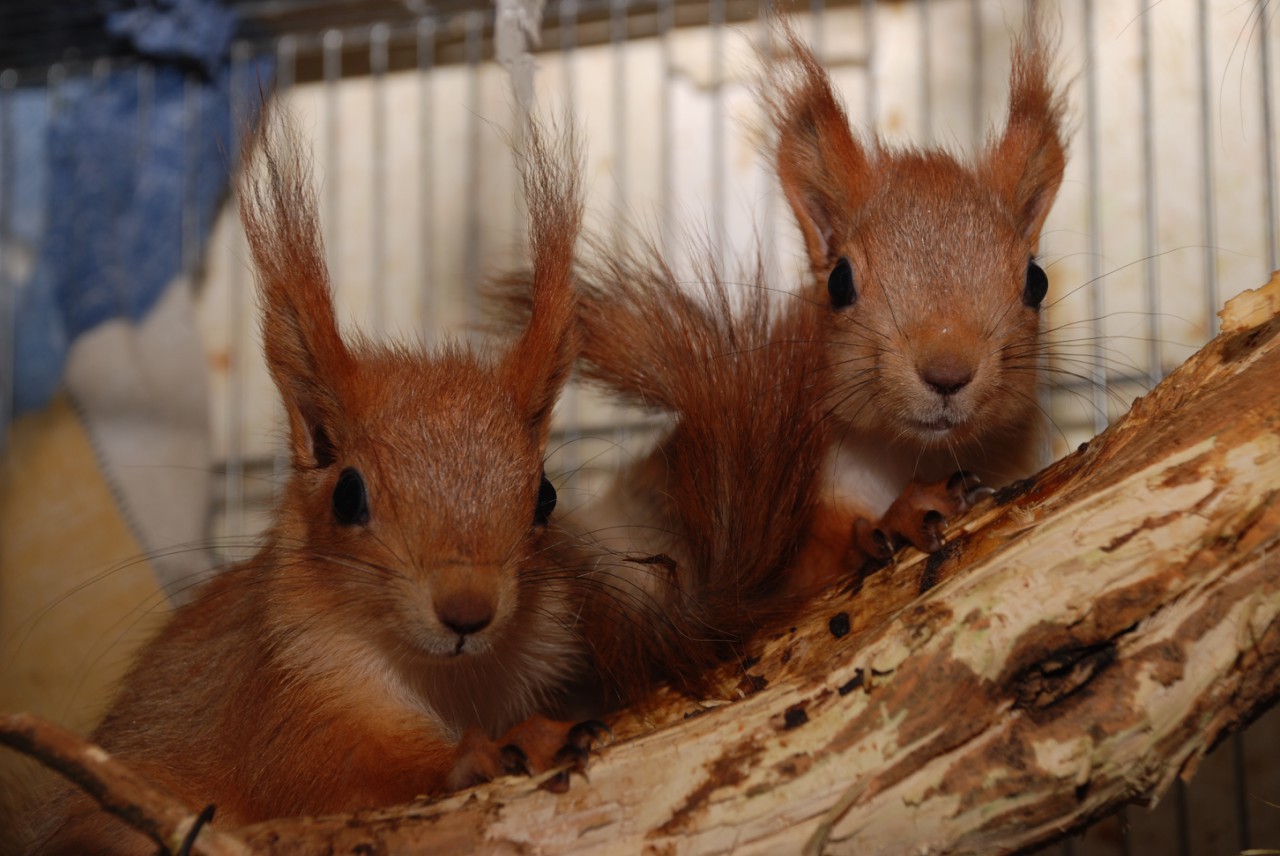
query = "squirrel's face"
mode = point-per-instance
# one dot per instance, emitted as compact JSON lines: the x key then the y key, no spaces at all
{"x":426,"y":500}
{"x":417,"y":501}
{"x":934,"y":302}
{"x":928,"y":265}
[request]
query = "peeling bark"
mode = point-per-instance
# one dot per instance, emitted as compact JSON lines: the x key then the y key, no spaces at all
{"x":1086,"y":637}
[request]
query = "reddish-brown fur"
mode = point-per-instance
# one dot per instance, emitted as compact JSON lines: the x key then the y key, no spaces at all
{"x":724,"y":512}
{"x":798,"y":423}
{"x":687,"y":545}
{"x":324,"y":675}
{"x":940,"y":253}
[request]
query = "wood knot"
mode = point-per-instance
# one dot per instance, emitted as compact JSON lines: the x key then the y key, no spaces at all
{"x":795,"y":717}
{"x":1060,"y":674}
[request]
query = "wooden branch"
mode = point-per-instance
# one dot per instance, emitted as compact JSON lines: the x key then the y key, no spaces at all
{"x":1084,"y":639}
{"x":116,"y":788}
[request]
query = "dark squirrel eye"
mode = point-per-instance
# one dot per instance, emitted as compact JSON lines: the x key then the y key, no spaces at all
{"x":350,"y":501}
{"x":546,"y":501}
{"x":840,"y":285}
{"x":1037,"y":285}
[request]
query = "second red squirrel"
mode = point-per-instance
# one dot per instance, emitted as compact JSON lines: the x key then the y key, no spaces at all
{"x":408,"y":621}
{"x":928,"y":268}
{"x":815,"y":431}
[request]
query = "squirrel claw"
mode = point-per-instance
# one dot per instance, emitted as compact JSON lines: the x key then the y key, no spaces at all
{"x":578,"y":742}
{"x":588,"y":733}
{"x":928,"y":537}
{"x":962,"y":481}
{"x":872,"y":540}
{"x":919,"y":516}
{"x":557,"y":783}
{"x":978,"y":494}
{"x":574,"y":757}
{"x":535,"y":746}
{"x":514,"y":761}
{"x":966,"y":490}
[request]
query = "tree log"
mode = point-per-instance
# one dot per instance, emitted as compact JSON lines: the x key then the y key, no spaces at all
{"x":1084,"y":638}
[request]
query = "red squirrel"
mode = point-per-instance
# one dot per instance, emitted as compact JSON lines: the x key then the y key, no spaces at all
{"x":407,"y":621}
{"x":818,"y":430}
{"x":928,"y":268}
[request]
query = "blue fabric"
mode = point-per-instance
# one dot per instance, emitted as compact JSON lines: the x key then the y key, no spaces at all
{"x":179,"y":30}
{"x":115,"y":168}
{"x":39,"y":337}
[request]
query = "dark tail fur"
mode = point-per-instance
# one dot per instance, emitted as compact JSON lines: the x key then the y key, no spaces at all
{"x":734,"y":483}
{"x":745,"y":383}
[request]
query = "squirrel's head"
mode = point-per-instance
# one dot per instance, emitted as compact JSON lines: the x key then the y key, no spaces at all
{"x":417,"y":490}
{"x":927,"y":264}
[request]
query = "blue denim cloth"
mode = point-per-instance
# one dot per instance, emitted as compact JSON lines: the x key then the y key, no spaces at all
{"x":183,"y":31}
{"x":113,"y":172}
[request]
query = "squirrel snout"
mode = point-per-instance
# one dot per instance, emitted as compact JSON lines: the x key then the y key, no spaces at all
{"x":465,"y":609}
{"x":946,"y":375}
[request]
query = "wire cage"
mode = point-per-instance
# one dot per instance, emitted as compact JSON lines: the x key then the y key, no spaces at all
{"x":1168,"y":208}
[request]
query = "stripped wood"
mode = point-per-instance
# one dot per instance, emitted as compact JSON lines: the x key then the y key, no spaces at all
{"x":1086,"y":637}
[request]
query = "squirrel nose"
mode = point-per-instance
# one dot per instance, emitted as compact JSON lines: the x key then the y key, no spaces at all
{"x":945,"y":375}
{"x":465,"y":612}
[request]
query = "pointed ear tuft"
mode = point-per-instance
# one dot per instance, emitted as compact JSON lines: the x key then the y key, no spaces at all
{"x":304,"y":350}
{"x":825,"y":173}
{"x":539,"y":363}
{"x":1026,"y":163}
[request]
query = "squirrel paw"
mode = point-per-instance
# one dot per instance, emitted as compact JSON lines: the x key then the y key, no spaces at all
{"x":920,"y":514}
{"x":534,"y":746}
{"x":871,"y":540}
{"x":573,"y":754}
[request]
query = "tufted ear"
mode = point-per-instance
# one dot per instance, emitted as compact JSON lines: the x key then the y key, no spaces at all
{"x":825,"y":173}
{"x":304,"y":351}
{"x":540,"y":361}
{"x":1025,"y":164}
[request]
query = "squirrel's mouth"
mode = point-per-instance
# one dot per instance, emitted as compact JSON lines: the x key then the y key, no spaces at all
{"x":944,"y":428}
{"x":466,"y":645}
{"x":452,"y":647}
{"x":939,"y":426}
{"x":941,"y":420}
